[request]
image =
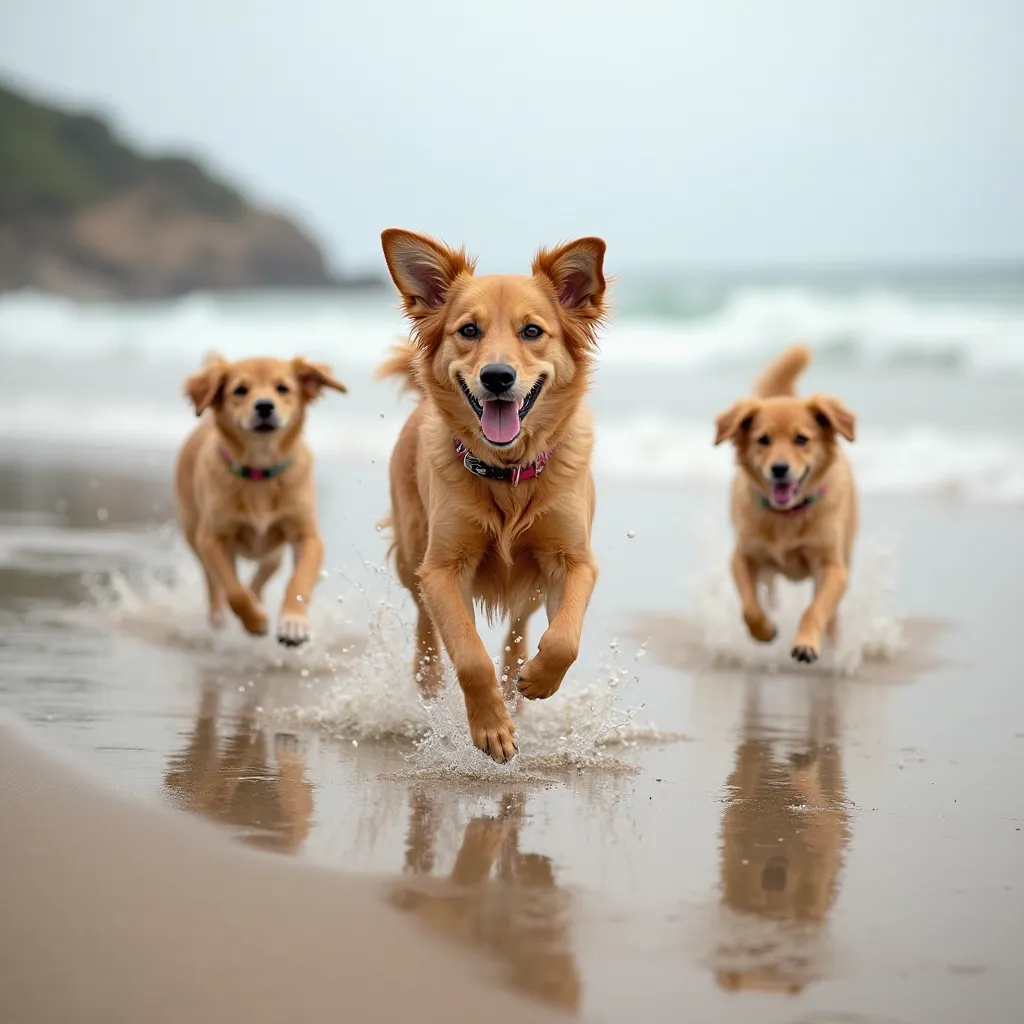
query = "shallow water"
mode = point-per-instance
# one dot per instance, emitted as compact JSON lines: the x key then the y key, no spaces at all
{"x":932,"y":365}
{"x":714,"y":822}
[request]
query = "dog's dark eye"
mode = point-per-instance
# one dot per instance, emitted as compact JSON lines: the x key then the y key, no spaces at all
{"x":241,"y":390}
{"x":469,"y":331}
{"x":764,"y":439}
{"x":800,"y":440}
{"x":531,"y":332}
{"x":283,"y":389}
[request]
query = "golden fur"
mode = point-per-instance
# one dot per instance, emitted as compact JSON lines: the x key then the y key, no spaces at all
{"x":225,"y":516}
{"x":459,"y":538}
{"x":814,"y":541}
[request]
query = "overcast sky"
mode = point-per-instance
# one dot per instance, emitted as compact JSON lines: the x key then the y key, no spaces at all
{"x":711,"y":132}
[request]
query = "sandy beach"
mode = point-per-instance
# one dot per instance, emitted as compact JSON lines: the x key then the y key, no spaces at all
{"x":645,"y":202}
{"x":694,"y":828}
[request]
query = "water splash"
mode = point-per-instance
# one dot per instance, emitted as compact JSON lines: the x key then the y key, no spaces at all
{"x":374,"y":696}
{"x":354,"y":679}
{"x":868,"y":627}
{"x":161,"y":599}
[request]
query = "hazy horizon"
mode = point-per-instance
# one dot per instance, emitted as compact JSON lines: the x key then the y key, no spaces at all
{"x":808,"y":136}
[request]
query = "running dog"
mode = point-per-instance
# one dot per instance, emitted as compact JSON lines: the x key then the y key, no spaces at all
{"x":492,"y":497}
{"x":794,"y":504}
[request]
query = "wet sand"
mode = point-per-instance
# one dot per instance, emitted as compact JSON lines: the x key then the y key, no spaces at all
{"x":820,"y":848}
{"x":118,"y":912}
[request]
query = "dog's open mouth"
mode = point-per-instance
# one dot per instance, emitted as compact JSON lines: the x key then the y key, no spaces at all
{"x":501,"y":420}
{"x":784,"y":494}
{"x":264,"y":428}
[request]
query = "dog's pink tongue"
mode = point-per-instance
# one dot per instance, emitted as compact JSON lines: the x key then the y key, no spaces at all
{"x":783,"y":494}
{"x":500,"y":422}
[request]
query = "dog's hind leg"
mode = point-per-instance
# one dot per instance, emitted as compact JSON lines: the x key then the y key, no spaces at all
{"x":514,"y":653}
{"x":215,"y":597}
{"x":269,"y":564}
{"x":832,"y":630}
{"x":214,"y":591}
{"x":426,"y":660}
{"x":426,"y":668}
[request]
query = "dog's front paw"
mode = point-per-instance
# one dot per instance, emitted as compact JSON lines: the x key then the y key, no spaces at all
{"x":249,"y":613}
{"x":217,"y":619}
{"x":805,"y":652}
{"x":292,"y":629}
{"x":542,"y":675}
{"x":492,"y":729}
{"x":257,"y":623}
{"x":760,"y":626}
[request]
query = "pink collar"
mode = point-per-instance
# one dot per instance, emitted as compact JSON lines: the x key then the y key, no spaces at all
{"x":510,"y":474}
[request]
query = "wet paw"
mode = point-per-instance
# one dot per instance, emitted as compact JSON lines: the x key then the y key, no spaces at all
{"x":256,"y":623}
{"x":761,"y":628}
{"x":536,"y":683}
{"x":542,"y":675}
{"x":249,"y":613}
{"x":805,"y":653}
{"x":292,"y":629}
{"x":494,"y":733}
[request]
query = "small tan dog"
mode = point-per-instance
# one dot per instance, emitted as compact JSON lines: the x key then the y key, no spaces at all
{"x":244,"y":486}
{"x":794,"y":505}
{"x":492,"y":497}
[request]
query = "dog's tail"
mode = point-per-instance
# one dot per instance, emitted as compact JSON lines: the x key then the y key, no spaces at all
{"x":779,"y":377}
{"x":401,"y":362}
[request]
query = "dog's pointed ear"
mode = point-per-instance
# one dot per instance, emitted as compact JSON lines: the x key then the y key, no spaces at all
{"x":736,"y":418}
{"x":423,"y":270}
{"x":576,"y":271}
{"x":833,"y":415}
{"x":314,"y":377}
{"x":205,"y":387}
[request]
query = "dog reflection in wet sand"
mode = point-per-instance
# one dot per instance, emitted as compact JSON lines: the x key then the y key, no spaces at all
{"x":495,"y":896}
{"x":784,"y":833}
{"x":225,"y":773}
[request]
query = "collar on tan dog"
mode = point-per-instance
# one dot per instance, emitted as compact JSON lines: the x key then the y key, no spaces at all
{"x":510,"y":474}
{"x":254,"y":472}
{"x":805,"y":504}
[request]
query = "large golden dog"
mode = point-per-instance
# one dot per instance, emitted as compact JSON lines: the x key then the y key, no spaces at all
{"x":492,"y":498}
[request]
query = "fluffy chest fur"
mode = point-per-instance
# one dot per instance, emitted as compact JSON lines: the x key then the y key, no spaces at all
{"x":258,"y":516}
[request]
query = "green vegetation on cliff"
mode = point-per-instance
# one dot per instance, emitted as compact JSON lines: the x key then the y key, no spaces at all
{"x":53,"y":162}
{"x":84,"y":214}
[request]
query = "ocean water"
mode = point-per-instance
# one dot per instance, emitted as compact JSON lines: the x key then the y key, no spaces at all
{"x":932,"y":363}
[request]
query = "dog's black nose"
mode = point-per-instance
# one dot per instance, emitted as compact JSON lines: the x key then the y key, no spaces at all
{"x":264,"y":408}
{"x":780,"y":470}
{"x":497,"y":377}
